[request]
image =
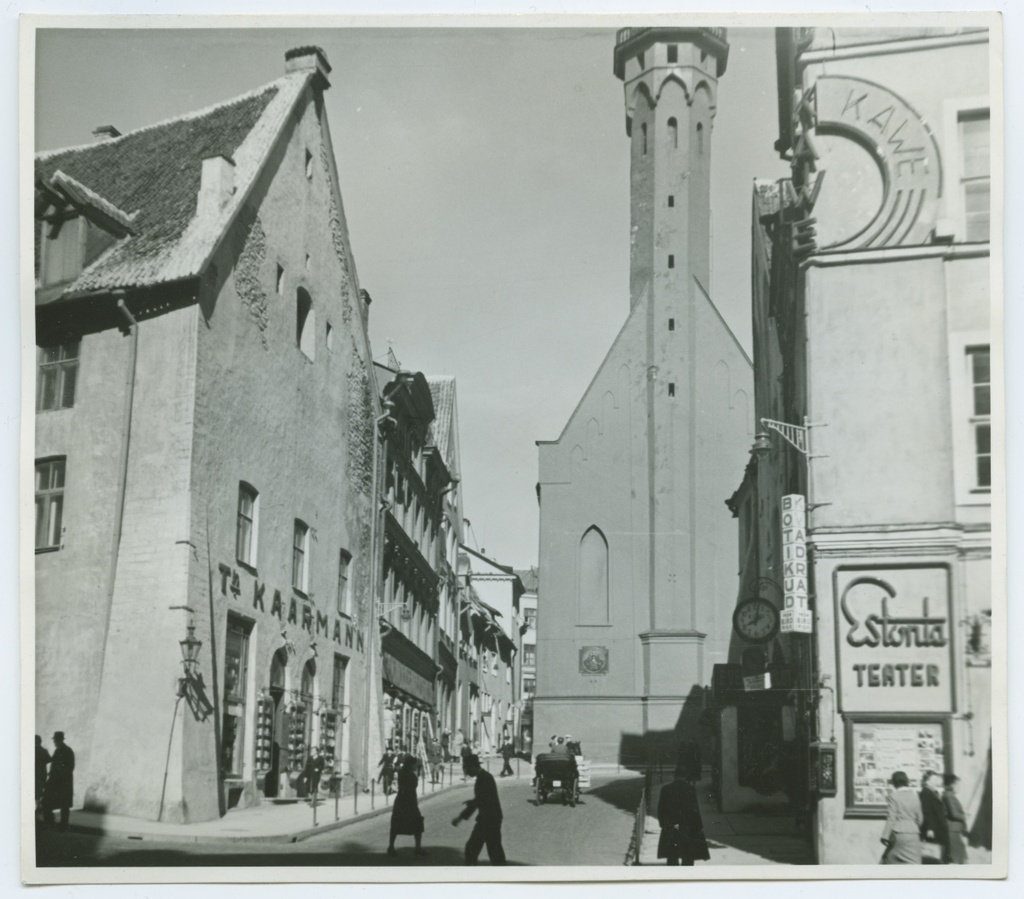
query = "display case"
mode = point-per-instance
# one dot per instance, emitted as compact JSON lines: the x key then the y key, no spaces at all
{"x":328,"y":737}
{"x":297,"y":715}
{"x":264,"y":758}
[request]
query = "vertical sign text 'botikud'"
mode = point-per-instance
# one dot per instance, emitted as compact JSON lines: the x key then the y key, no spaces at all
{"x":796,"y":616}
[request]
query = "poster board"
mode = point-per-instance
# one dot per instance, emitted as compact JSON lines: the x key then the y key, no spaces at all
{"x":878,"y":745}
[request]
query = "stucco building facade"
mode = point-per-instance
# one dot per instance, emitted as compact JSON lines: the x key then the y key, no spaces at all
{"x":204,"y":457}
{"x":873,"y":336}
{"x":637,"y":549}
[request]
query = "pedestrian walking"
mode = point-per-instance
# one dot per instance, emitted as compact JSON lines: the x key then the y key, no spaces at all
{"x":506,"y":756}
{"x":387,"y":769}
{"x":956,"y":820}
{"x":435,"y":758}
{"x":487,"y":830}
{"x":60,"y":784}
{"x":446,"y":743}
{"x":312,"y":773}
{"x":405,"y":814}
{"x":934,"y":829}
{"x":465,"y":752}
{"x":902,"y":834}
{"x":42,"y":762}
{"x":682,"y":838}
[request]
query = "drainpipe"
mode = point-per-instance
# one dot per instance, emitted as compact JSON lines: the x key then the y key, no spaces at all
{"x":126,"y":431}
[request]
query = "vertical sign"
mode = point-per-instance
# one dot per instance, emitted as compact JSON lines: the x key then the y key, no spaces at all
{"x":796,"y":615}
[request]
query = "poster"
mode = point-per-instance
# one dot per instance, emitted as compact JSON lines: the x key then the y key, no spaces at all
{"x":877,"y":749}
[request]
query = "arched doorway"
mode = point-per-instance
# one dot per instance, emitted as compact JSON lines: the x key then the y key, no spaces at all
{"x":278,"y":666}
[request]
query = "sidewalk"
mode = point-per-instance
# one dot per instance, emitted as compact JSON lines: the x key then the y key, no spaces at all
{"x":287,"y":821}
{"x":734,"y":838}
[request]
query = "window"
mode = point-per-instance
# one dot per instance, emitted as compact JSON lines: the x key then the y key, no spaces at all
{"x":530,"y":617}
{"x":236,"y":664}
{"x":530,"y":656}
{"x":981,"y":411}
{"x":57,"y":376}
{"x":643,"y":138}
{"x":671,"y":261}
{"x":338,"y":683}
{"x":344,"y":561}
{"x":300,"y":557}
{"x":305,"y":323}
{"x":671,"y":389}
{"x":49,"y":503}
{"x":671,"y":324}
{"x":673,"y":133}
{"x":309,"y":166}
{"x":700,"y":138}
{"x":245,"y":532}
{"x":673,"y":53}
{"x":640,"y":59}
{"x":592,"y":581}
{"x":529,"y":686}
{"x":975,"y":171}
{"x":330,"y":337}
{"x":671,"y":201}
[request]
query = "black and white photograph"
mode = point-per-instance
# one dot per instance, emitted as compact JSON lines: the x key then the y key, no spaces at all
{"x":573,"y":446}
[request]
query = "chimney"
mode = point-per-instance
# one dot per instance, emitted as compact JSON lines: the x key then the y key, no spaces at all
{"x":216,"y":185}
{"x":105,"y":132}
{"x":309,"y":59}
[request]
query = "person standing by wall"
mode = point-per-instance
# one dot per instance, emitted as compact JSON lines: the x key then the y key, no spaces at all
{"x":934,"y":830}
{"x":506,"y":757}
{"x":902,"y":833}
{"x":682,"y":838}
{"x":60,"y":785}
{"x":42,"y":762}
{"x":312,"y":773}
{"x":956,"y":821}
{"x":487,"y":830}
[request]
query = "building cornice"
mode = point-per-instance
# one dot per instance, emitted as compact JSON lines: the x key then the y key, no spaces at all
{"x":860,"y":51}
{"x":902,"y":540}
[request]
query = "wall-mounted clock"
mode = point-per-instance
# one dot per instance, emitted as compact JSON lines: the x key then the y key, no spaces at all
{"x":756,"y":620}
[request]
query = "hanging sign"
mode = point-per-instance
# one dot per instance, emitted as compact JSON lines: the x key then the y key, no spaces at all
{"x":796,"y":613}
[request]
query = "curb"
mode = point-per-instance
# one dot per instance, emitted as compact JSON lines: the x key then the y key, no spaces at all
{"x":295,"y":836}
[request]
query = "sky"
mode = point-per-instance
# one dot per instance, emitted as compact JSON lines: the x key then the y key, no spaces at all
{"x":485,"y":179}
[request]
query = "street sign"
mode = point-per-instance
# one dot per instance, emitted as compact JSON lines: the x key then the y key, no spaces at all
{"x":796,"y":614}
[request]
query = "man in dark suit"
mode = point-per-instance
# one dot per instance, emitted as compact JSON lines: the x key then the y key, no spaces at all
{"x":682,"y":830}
{"x":935,"y":828}
{"x":60,"y":785}
{"x":487,"y":830}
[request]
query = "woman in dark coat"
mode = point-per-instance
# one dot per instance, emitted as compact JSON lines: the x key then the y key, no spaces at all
{"x":60,"y":785}
{"x":956,"y":821}
{"x":934,"y":828}
{"x":405,"y":813}
{"x":682,"y":830}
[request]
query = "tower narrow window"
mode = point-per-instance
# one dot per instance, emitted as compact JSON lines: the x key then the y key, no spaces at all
{"x":700,"y":138}
{"x":673,"y":53}
{"x":280,"y":280}
{"x":247,"y":524}
{"x":309,"y":166}
{"x":671,"y":261}
{"x":49,"y":502}
{"x":673,"y":133}
{"x":305,"y":323}
{"x":643,"y":138}
{"x":975,"y":172}
{"x":671,"y":324}
{"x":300,"y":556}
{"x":671,"y":389}
{"x":671,"y":201}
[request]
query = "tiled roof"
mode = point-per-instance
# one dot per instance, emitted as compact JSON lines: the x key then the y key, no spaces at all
{"x":152,"y":176}
{"x":530,"y":578}
{"x":442,"y":392}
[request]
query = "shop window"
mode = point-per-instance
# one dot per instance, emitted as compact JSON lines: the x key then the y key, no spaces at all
{"x":236,"y":665}
{"x":980,"y":415}
{"x":305,"y":323}
{"x":49,"y":503}
{"x":300,"y":556}
{"x":344,"y":563}
{"x":57,"y":376}
{"x":247,"y":524}
{"x":975,"y":173}
{"x":673,"y":133}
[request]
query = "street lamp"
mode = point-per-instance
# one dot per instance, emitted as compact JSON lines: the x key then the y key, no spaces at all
{"x":190,"y":647}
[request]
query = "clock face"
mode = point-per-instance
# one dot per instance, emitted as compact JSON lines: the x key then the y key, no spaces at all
{"x":756,"y":620}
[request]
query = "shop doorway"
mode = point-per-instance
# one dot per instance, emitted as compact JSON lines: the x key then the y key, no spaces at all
{"x":278,"y":664}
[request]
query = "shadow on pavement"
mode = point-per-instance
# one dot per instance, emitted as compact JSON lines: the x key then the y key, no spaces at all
{"x":52,"y":850}
{"x":622,"y":793}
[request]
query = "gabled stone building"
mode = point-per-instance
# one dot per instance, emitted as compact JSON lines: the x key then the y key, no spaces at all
{"x":204,"y":456}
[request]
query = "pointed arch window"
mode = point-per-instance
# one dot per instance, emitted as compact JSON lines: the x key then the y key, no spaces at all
{"x":592,"y":584}
{"x":305,"y":323}
{"x":700,"y":138}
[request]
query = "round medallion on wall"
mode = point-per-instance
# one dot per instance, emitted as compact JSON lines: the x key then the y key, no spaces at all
{"x":594,"y":660}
